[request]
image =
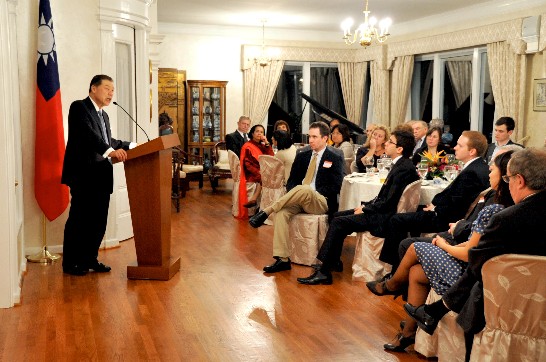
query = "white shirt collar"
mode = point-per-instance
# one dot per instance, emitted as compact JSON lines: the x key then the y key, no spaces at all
{"x":396,"y":159}
{"x":469,"y":162}
{"x":95,"y":105}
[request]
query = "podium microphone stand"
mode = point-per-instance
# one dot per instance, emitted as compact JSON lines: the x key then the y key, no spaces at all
{"x":43,"y":256}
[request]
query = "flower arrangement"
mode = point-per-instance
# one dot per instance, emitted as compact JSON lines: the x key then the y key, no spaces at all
{"x":436,"y":163}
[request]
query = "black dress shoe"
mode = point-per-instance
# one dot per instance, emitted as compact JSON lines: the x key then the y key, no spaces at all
{"x":424,"y":320}
{"x":403,"y":343}
{"x":75,"y":270}
{"x":278,"y":266}
{"x":100,"y":268}
{"x":317,"y":278}
{"x":372,"y":286}
{"x":258,"y":219}
{"x":337,"y":268}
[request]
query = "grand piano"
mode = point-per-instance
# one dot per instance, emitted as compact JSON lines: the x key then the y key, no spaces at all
{"x":326,"y":114}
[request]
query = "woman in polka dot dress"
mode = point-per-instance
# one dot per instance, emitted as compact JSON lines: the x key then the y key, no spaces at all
{"x":440,"y":264}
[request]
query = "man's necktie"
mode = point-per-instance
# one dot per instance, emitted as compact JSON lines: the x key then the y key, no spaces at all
{"x":245,"y":137}
{"x":310,"y":170}
{"x":103,"y":128}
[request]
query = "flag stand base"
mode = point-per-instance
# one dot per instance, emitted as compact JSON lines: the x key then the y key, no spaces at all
{"x":43,"y":257}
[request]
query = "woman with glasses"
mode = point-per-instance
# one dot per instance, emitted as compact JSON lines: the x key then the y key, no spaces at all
{"x":439,"y":264}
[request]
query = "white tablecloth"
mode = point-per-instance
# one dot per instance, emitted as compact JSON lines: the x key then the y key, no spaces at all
{"x":357,"y":188}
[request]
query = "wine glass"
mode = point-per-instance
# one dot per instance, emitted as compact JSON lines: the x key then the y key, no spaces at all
{"x":422,"y":169}
{"x":380,"y":165}
{"x":368,"y":163}
{"x":450,"y":158}
{"x":449,"y":173}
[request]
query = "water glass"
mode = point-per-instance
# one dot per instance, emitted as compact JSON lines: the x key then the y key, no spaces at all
{"x":422,"y":169}
{"x":383,"y":176}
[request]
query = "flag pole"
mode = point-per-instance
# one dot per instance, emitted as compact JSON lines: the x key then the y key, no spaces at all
{"x":44,"y":256}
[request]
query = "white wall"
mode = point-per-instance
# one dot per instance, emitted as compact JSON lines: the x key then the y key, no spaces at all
{"x":77,"y":37}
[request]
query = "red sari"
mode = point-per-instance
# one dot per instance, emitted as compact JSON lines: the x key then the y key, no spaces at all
{"x":250,"y":171}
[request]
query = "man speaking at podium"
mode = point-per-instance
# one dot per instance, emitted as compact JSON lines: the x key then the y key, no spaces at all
{"x":88,"y":171}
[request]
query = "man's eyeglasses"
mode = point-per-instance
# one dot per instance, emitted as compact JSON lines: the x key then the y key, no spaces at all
{"x":506,"y":178}
{"x":393,"y":142}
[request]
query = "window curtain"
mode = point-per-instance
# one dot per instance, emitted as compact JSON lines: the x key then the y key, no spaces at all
{"x":380,"y":90}
{"x":353,"y":81}
{"x":260,"y":84}
{"x":326,"y":89}
{"x":401,"y":82}
{"x":460,"y":74}
{"x":507,"y":70}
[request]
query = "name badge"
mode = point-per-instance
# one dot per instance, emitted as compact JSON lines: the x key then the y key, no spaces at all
{"x":327,"y":164}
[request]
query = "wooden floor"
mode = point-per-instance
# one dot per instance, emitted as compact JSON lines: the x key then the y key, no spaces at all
{"x":219,"y":307}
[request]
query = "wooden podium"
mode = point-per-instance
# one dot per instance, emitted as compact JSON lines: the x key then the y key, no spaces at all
{"x":148,"y":170}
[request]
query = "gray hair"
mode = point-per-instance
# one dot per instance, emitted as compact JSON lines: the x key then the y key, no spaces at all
{"x":530,"y":163}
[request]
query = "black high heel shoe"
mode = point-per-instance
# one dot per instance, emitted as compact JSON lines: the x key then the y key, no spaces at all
{"x":403,"y":343}
{"x":372,"y":286}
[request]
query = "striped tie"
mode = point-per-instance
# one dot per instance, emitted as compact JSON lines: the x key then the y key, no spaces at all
{"x":310,"y":170}
{"x":103,"y":128}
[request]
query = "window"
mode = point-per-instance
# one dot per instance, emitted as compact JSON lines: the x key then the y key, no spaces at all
{"x":454,"y":87}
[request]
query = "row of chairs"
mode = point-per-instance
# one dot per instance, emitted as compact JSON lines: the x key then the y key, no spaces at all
{"x":514,"y":288}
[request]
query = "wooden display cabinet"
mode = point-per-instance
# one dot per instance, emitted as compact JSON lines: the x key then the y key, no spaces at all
{"x":206,"y":121}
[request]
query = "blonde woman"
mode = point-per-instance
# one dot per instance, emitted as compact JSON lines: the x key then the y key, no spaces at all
{"x":373,"y":148}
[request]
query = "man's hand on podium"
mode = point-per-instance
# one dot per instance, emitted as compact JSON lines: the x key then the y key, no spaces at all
{"x":120,"y":154}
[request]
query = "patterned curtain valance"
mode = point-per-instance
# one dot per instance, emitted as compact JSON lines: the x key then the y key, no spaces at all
{"x":509,"y":31}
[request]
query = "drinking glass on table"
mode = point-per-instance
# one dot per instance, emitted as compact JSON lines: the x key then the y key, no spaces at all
{"x":422,"y":169}
{"x":450,"y":158}
{"x":368,"y":163}
{"x":380,"y":165}
{"x":387,"y":163}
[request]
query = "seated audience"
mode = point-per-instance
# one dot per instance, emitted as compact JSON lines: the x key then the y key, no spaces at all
{"x":372,"y":150}
{"x":449,"y":205}
{"x":313,"y":188}
{"x":281,"y":125}
{"x":439,"y":264}
{"x":250,"y":167}
{"x":519,"y":229}
{"x":286,"y":151}
{"x":342,"y":140}
{"x":432,"y":145}
{"x":333,"y":122}
{"x":372,"y":216}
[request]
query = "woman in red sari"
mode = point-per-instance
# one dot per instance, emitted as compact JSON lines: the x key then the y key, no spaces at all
{"x":250,"y":167}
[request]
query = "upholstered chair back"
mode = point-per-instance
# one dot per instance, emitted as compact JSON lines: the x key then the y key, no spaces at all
{"x":515,"y":310}
{"x":366,"y":263}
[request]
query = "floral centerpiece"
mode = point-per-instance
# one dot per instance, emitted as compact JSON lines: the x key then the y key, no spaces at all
{"x":436,"y":163}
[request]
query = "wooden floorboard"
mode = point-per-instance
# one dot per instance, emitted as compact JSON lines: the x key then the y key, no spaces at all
{"x":219,"y":307}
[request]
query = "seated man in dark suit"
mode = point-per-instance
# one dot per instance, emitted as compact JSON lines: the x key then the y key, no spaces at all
{"x":449,"y":205}
{"x":313,"y":187}
{"x":236,"y":140}
{"x":504,"y":127}
{"x":372,"y":215}
{"x":519,"y":229}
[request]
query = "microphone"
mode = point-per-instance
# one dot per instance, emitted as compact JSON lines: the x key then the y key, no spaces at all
{"x":132,"y":119}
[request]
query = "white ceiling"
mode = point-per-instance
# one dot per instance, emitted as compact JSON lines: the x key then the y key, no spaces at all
{"x":315,"y":15}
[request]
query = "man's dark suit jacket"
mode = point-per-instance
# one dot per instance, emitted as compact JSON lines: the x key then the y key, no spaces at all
{"x":452,"y":203}
{"x":328,"y":179}
{"x":234,"y":142}
{"x":84,"y":166}
{"x":385,"y":204}
{"x":518,"y":229}
{"x":491,"y":149}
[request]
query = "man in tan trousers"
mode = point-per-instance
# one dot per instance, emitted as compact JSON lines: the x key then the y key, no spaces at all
{"x":313,"y":186}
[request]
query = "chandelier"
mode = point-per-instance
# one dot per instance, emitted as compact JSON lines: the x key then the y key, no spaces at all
{"x":263,"y":59}
{"x":367,"y":31}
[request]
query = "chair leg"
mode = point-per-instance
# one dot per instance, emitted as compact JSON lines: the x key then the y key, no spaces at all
{"x":201,"y":180}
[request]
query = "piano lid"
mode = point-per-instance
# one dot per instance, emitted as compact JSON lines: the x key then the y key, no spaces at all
{"x":329,"y":115}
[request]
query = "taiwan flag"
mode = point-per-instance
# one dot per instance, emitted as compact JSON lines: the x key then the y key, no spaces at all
{"x":52,"y":196}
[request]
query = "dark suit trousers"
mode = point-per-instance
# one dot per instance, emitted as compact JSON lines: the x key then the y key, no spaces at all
{"x":342,"y":224}
{"x":398,"y":227}
{"x":85,"y":227}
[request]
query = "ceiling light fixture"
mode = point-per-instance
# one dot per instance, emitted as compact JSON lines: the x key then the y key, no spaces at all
{"x":264,"y":59}
{"x":367,"y":31}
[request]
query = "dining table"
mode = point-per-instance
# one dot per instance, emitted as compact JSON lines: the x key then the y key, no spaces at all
{"x":359,"y":187}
